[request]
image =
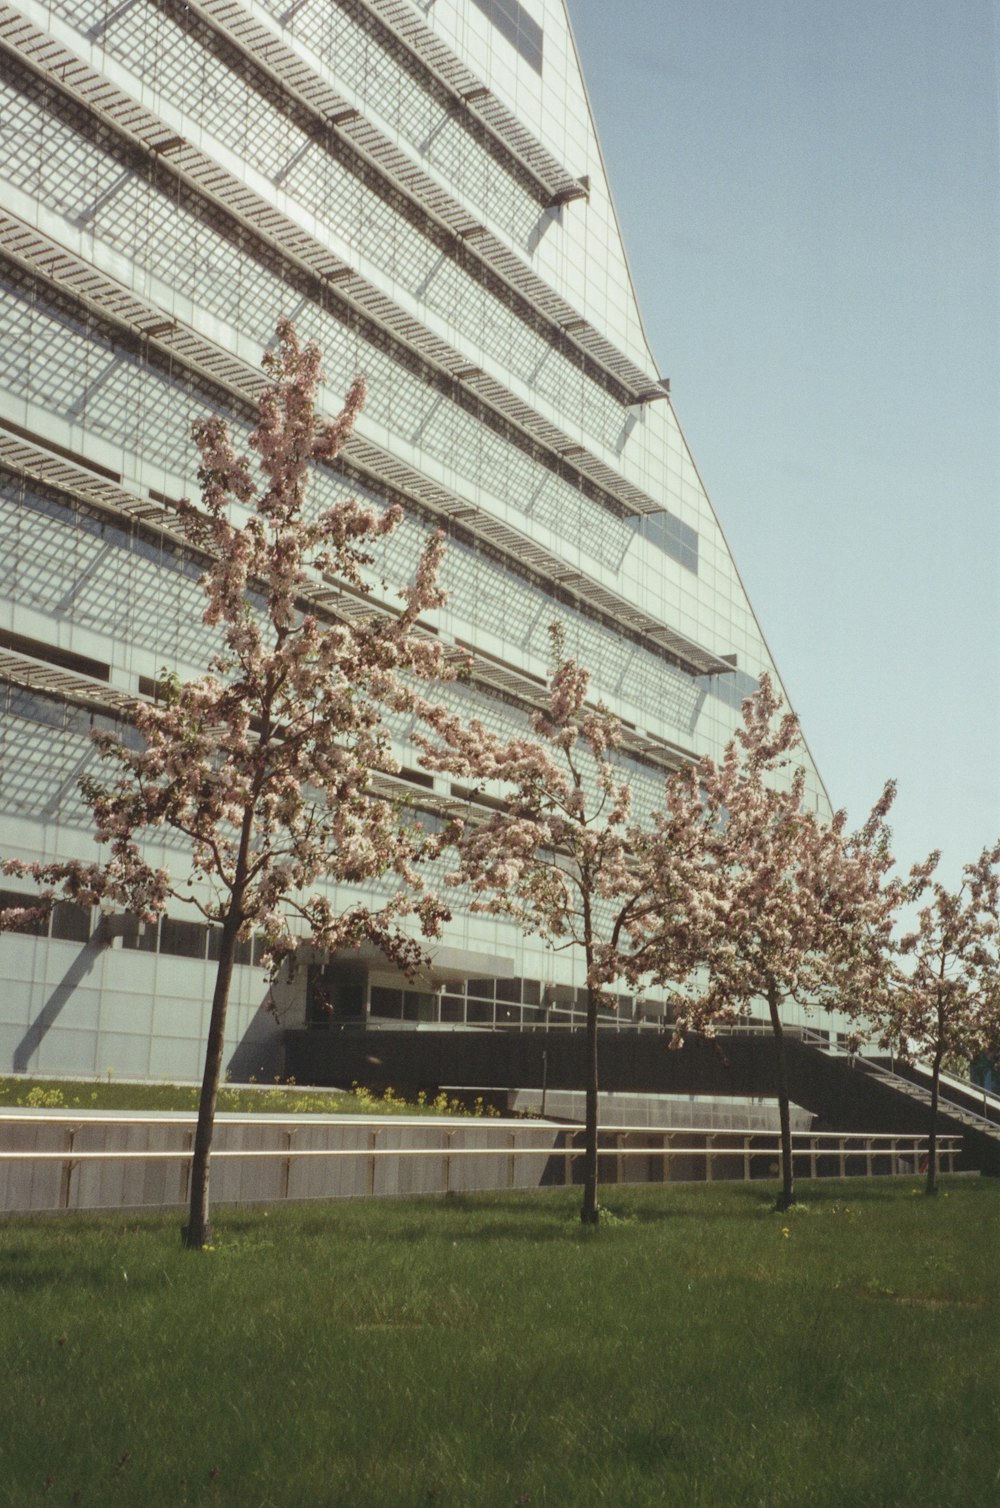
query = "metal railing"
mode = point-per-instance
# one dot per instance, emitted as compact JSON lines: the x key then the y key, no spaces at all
{"x":949,"y":1081}
{"x":487,"y":1015}
{"x":682,"y":1154}
{"x":945,"y":1103}
{"x":990,"y":1102}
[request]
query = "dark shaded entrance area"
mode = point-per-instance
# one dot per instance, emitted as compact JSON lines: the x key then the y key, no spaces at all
{"x":844,"y":1094}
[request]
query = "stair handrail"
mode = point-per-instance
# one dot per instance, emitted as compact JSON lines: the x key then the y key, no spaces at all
{"x":871,"y":1065}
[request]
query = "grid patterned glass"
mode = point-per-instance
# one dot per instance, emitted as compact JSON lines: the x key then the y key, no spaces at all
{"x":514,"y":23}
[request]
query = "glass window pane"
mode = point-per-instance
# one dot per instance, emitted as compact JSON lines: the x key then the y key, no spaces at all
{"x":71,"y":922}
{"x":183,"y":938}
{"x":140,"y":935}
{"x":15,"y":900}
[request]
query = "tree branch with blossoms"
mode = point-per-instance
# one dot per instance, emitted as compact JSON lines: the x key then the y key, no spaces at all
{"x":558,"y":856}
{"x":944,"y":999}
{"x":264,"y":763}
{"x":789,"y":908}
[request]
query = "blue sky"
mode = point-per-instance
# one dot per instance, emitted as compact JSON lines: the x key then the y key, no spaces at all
{"x":809,"y":195}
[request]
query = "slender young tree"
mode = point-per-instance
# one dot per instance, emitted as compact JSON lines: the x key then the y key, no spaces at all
{"x":263,"y":765}
{"x":945,"y":1001}
{"x":558,"y":855}
{"x":793,"y":909}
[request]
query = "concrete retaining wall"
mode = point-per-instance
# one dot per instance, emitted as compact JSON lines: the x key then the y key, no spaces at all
{"x":384,"y":1163}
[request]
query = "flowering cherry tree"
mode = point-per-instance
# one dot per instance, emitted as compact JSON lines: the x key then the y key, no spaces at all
{"x":947,"y":1002}
{"x":263,"y":764}
{"x":792,"y":909}
{"x":557,"y":856}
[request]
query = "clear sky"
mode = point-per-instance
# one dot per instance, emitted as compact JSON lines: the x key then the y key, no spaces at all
{"x":809,"y":194}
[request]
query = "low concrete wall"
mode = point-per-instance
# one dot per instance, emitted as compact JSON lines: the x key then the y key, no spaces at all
{"x":385,"y":1163}
{"x":73,"y":1160}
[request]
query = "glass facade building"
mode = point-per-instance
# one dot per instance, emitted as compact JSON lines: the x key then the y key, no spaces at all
{"x":420,"y":187}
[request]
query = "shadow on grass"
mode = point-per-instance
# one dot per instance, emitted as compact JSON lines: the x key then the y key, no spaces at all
{"x":481,"y":1218}
{"x":653,"y":1448}
{"x":523,"y":1215}
{"x":519,"y":1215}
{"x":36,"y":1279}
{"x":24,"y":1270}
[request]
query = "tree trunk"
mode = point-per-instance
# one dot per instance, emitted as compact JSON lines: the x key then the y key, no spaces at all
{"x":198,"y":1231}
{"x":931,"y":1187}
{"x":786,"y":1197}
{"x":590,"y":1211}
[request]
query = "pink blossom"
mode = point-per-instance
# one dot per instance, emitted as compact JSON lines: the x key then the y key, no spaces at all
{"x":263,"y":764}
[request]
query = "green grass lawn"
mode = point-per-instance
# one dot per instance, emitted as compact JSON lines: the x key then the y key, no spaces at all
{"x":697,"y":1349}
{"x":244,"y":1099}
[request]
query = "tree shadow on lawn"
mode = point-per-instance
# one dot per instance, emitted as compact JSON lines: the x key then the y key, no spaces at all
{"x":27,"y":1269}
{"x":481,"y":1217}
{"x":409,"y":1220}
{"x":695,"y":1200}
{"x":518,"y":1216}
{"x":642,"y":1205}
{"x":20,"y":1269}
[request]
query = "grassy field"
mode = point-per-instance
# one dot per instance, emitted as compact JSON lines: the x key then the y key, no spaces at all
{"x":275,"y":1099}
{"x":698,"y":1349}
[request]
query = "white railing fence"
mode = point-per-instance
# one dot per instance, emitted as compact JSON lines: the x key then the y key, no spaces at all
{"x":59,"y":1161}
